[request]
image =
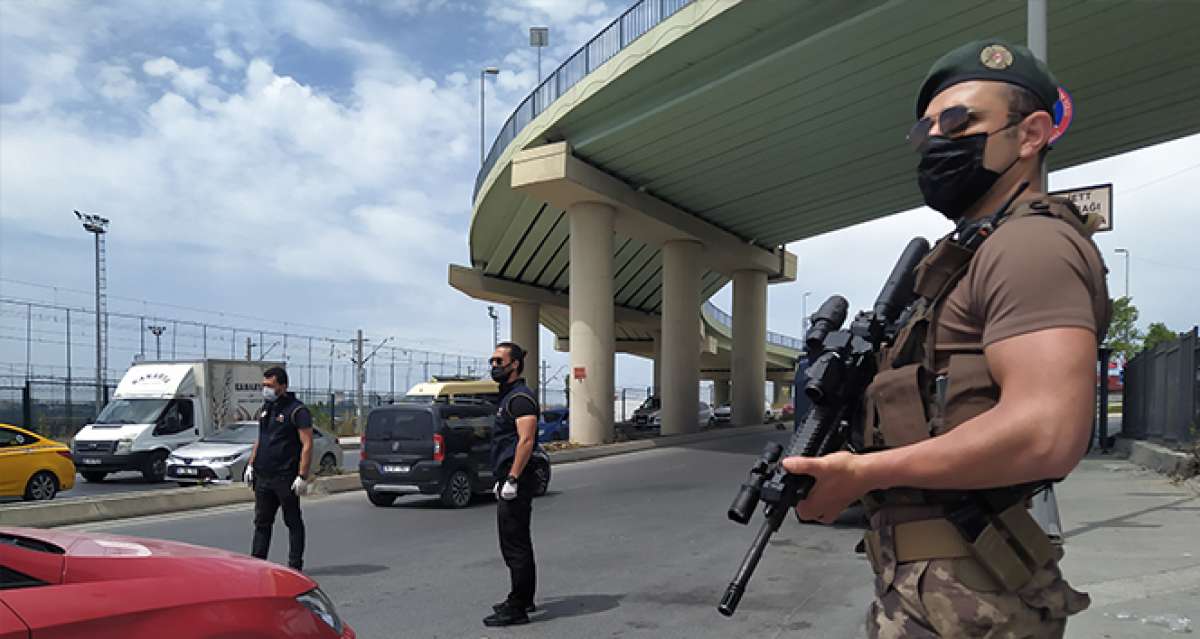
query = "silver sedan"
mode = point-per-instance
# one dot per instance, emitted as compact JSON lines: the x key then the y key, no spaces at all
{"x":222,"y":456}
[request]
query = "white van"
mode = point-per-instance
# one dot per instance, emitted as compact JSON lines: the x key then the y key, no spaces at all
{"x":160,"y":406}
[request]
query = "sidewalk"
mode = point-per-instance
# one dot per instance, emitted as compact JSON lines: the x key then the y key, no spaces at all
{"x":1132,"y":540}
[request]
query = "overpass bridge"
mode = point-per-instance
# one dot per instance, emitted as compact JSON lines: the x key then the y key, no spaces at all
{"x":687,"y":143}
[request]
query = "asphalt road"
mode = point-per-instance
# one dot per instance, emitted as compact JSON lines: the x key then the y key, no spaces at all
{"x":635,"y":545}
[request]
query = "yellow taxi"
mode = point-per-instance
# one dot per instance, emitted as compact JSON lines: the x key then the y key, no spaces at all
{"x":33,"y":467}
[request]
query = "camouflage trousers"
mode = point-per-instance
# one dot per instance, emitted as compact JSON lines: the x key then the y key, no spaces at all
{"x":955,"y":598}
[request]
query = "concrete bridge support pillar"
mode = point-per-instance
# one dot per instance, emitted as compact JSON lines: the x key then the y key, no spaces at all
{"x":657,"y":362}
{"x":525,"y":335}
{"x":720,"y":392}
{"x":591,"y":316}
{"x":749,"y":346}
{"x":680,"y":391}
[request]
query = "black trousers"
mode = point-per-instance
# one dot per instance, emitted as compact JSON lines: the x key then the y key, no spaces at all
{"x":516,"y":545}
{"x":270,"y":493}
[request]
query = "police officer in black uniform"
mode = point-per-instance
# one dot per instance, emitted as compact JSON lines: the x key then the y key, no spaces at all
{"x":279,"y":465}
{"x":514,"y":436}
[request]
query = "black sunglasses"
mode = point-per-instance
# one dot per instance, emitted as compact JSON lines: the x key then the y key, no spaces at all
{"x":496,"y":361}
{"x":951,"y":123}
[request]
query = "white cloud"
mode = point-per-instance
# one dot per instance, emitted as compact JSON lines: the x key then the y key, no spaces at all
{"x":228,"y":58}
{"x":117,"y":83}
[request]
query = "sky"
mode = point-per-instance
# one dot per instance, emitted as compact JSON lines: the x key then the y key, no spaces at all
{"x":311,"y":163}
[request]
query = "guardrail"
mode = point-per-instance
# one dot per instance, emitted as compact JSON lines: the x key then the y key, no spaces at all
{"x":630,"y":26}
{"x":726,"y":320}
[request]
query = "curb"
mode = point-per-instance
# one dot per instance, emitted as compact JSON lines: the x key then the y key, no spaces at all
{"x":140,"y":504}
{"x":1159,"y":458}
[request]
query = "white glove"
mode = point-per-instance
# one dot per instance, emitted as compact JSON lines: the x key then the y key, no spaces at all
{"x":248,"y":477}
{"x":509,"y":490}
{"x":496,"y":490}
{"x":299,"y":486}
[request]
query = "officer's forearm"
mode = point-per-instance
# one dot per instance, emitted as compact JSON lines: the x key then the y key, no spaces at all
{"x":523,"y":453}
{"x":253,"y":452}
{"x":305,"y":458}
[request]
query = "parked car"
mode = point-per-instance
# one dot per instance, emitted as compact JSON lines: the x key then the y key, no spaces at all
{"x":33,"y":467}
{"x":222,"y":456}
{"x":436,"y":448}
{"x":724,"y":413}
{"x":55,"y":583}
{"x":553,"y":425}
{"x":643,"y":415}
{"x":704,"y":417}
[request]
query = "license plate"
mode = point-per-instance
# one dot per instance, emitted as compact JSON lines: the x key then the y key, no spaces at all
{"x":187,"y":471}
{"x":89,"y":461}
{"x":396,"y":468}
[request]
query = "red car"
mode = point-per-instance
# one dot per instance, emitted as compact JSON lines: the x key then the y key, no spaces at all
{"x":68,"y":585}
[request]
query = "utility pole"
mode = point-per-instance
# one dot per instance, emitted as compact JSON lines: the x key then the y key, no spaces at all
{"x":68,"y":388}
{"x":157,"y":330}
{"x":392,"y":381}
{"x":544,"y":367}
{"x":249,"y":347}
{"x":174,"y":332}
{"x":359,"y":374}
{"x":98,"y":227}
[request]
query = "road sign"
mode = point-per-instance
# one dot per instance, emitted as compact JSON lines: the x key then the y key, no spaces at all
{"x":1064,"y":112}
{"x":1092,"y":200}
{"x":580,"y":373}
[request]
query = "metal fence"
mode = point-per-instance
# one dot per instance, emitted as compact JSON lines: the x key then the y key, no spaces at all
{"x":51,"y":408}
{"x":1162,"y":392}
{"x":631,"y":25}
{"x":725,"y":319}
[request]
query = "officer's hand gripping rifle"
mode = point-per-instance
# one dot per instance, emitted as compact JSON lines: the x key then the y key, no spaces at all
{"x":843,"y":367}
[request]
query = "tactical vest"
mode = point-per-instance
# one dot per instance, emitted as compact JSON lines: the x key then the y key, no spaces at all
{"x":504,"y":427}
{"x":909,"y":401}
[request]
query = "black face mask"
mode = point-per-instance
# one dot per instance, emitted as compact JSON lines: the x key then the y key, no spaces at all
{"x":500,"y":374}
{"x":951,"y":172}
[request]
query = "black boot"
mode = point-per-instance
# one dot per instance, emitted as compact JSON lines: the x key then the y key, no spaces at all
{"x":506,"y":616}
{"x":497,"y":607}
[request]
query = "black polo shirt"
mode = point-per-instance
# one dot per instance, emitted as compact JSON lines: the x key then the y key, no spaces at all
{"x":279,"y":423}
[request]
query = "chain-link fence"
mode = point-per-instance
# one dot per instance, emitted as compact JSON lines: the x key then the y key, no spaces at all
{"x":51,"y":408}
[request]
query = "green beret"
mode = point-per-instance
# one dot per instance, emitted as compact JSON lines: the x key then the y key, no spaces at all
{"x":990,"y":60}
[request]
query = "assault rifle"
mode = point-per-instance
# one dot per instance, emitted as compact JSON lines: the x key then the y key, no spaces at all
{"x":844,"y":361}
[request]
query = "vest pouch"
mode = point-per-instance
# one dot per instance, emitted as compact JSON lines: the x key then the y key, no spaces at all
{"x":939,"y":267}
{"x":970,"y":391}
{"x":896,"y":395}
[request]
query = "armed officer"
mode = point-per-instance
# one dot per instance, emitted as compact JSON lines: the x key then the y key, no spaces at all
{"x":513,"y":438}
{"x":986,"y":393}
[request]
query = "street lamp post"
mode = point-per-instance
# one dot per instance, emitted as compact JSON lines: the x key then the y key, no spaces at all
{"x":495,"y":325}
{"x":804,"y":310}
{"x":1125,"y":252}
{"x":539,"y":37}
{"x":97,"y":226}
{"x":157,"y":331}
{"x":483,"y":73}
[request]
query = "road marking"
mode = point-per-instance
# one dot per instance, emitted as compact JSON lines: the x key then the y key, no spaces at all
{"x":1115,"y":591}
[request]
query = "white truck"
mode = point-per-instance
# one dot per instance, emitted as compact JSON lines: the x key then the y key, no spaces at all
{"x":160,"y":406}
